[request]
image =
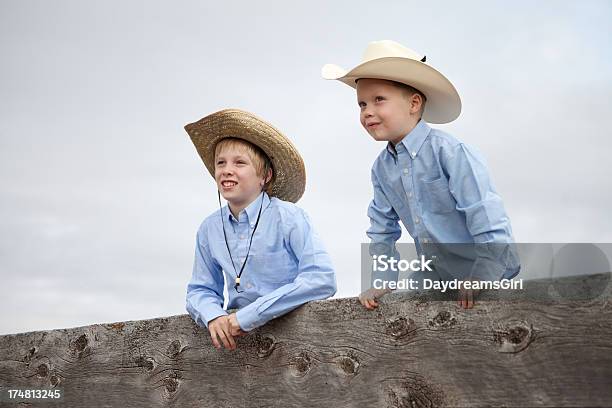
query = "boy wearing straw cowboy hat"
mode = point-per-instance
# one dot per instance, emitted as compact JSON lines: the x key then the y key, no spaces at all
{"x":260,"y":243}
{"x":436,"y":185}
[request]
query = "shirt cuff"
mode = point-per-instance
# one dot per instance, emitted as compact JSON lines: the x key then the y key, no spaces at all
{"x":248,"y":318}
{"x":212,"y":312}
{"x":487,"y":270}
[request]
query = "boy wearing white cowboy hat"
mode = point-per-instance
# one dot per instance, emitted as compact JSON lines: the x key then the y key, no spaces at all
{"x":436,"y":185}
{"x":260,"y":243}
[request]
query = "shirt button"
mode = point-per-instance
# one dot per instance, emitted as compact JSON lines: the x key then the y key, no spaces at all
{"x":410,"y":194}
{"x":413,"y":154}
{"x":425,"y":240}
{"x":241,"y":236}
{"x":249,"y":286}
{"x":417,"y":221}
{"x":406,"y":171}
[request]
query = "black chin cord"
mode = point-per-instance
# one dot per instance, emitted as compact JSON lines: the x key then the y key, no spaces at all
{"x":238,"y":275}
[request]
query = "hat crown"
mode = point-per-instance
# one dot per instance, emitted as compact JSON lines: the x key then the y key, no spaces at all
{"x":388,"y":48}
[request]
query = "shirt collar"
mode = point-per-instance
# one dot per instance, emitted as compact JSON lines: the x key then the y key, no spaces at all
{"x":252,"y":210}
{"x":413,"y":140}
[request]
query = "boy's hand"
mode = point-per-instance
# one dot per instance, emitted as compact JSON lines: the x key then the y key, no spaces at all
{"x":466,"y":298}
{"x":221,"y":333}
{"x":235,"y":329}
{"x":369,"y":297}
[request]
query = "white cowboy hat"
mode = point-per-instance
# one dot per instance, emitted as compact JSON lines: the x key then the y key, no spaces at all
{"x":392,"y":61}
{"x":289,"y":179}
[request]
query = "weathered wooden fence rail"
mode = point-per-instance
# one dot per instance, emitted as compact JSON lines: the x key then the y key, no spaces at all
{"x":530,"y":350}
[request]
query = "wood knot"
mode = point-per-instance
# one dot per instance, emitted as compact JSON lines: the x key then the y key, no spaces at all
{"x":145,"y":362}
{"x":349,"y":364}
{"x":414,"y":393}
{"x":42,"y":370}
{"x":400,"y":327}
{"x":444,"y":318}
{"x":515,"y":337}
{"x":265,"y":345}
{"x":55,"y":380}
{"x":80,"y":343}
{"x":171,"y":384}
{"x":301,"y":363}
{"x":175,"y":348}
{"x":28,"y":357}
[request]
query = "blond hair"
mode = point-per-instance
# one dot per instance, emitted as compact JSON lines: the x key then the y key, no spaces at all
{"x":260,"y":159}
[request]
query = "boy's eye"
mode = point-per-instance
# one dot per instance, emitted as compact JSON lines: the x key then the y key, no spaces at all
{"x":379,"y":98}
{"x":361,"y":104}
{"x":219,"y":162}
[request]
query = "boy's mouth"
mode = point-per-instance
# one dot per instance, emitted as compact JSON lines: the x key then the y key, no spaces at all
{"x":372,"y":125}
{"x":228,"y":183}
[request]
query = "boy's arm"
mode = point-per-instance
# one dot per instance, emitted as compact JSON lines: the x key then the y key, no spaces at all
{"x":316,"y":278}
{"x":384,"y":232}
{"x":484,"y":211}
{"x":204,"y":300}
{"x":384,"y":228}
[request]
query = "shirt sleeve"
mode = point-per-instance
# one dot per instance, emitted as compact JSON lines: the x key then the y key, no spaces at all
{"x":316,"y":278}
{"x":384,"y":229}
{"x":204,"y":300}
{"x":485,"y":215}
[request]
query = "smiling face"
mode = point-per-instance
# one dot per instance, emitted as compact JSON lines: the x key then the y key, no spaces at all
{"x":387,"y":112}
{"x":238,"y":173}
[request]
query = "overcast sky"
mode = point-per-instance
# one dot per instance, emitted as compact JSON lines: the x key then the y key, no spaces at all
{"x":101,"y":190}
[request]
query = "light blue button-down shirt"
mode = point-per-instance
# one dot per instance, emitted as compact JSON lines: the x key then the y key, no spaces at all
{"x":287,"y":264}
{"x":441,"y":191}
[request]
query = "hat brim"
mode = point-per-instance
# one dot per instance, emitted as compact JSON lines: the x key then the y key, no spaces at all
{"x":289,"y":180}
{"x":443,"y":102}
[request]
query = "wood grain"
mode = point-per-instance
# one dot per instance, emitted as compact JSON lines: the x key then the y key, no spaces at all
{"x":534,"y":349}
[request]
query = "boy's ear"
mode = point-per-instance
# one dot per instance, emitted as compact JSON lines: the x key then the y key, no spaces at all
{"x":267,"y":179}
{"x":268,"y":176}
{"x":416,"y":102}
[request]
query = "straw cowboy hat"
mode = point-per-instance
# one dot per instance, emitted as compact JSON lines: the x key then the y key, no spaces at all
{"x":289,"y":179}
{"x":392,"y":61}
